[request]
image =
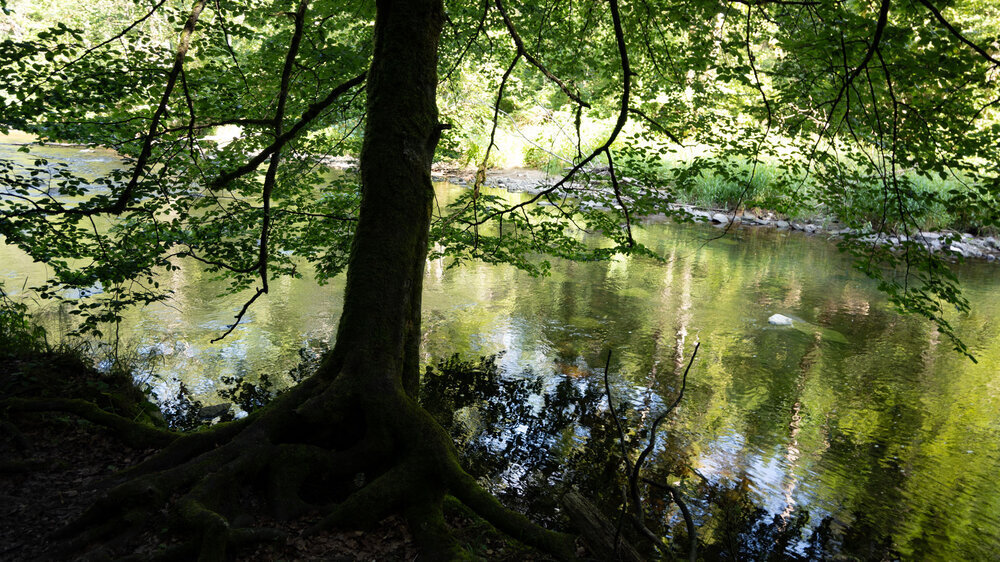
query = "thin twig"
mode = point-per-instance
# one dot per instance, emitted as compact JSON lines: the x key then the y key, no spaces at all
{"x":624,"y":448}
{"x":618,"y":197}
{"x":958,"y":35}
{"x":239,"y":316}
{"x":512,"y":31}
{"x":637,"y":468}
{"x":623,"y":112}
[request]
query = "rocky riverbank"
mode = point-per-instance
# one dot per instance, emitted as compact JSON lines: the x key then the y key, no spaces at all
{"x":956,"y":244}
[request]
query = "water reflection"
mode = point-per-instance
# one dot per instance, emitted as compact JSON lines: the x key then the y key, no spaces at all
{"x":855,"y":415}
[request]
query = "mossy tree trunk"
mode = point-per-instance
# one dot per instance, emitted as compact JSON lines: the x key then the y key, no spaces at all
{"x":357,"y":416}
{"x":380,"y":325}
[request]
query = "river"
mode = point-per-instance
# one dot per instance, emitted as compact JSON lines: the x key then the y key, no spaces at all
{"x":855,"y":414}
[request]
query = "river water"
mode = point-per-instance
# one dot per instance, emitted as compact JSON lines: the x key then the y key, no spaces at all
{"x":855,"y":413}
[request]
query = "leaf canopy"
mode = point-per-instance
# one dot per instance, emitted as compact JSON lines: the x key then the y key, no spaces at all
{"x":226,"y":115}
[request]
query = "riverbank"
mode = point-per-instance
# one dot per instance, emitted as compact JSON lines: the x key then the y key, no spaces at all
{"x":954,"y":244}
{"x":958,"y":245}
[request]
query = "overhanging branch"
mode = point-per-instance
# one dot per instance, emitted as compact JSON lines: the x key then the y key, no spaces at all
{"x":958,"y":35}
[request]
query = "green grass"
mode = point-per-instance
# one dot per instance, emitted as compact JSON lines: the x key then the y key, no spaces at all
{"x":747,"y":188}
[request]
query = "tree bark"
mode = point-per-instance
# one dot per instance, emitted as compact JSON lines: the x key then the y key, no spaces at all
{"x":379,"y":331}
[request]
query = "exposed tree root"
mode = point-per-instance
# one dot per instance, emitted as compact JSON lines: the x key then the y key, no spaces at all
{"x":131,"y":433}
{"x":324,"y":450}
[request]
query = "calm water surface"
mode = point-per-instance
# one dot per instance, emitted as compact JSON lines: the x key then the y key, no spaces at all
{"x":856,"y":412}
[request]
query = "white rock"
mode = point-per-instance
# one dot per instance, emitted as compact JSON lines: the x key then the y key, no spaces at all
{"x":966,"y":250}
{"x":779,"y":320}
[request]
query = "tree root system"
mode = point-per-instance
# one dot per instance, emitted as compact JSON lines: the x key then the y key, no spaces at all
{"x":325,"y":452}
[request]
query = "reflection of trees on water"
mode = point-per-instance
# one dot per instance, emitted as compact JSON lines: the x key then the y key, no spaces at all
{"x":534,"y":437}
{"x":792,"y":449}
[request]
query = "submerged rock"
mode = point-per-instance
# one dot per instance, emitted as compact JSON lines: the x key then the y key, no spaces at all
{"x":779,"y":320}
{"x":214,"y":411}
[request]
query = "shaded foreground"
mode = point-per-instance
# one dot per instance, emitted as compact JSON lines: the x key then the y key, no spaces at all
{"x":58,"y":469}
{"x":58,"y":466}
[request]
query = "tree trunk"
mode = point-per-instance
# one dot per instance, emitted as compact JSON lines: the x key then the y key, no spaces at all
{"x":379,"y":330}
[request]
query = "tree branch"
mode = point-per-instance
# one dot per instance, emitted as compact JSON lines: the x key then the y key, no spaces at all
{"x":531,"y":59}
{"x":147,"y":145}
{"x":958,"y":35}
{"x":619,"y":124}
{"x":307,"y":117}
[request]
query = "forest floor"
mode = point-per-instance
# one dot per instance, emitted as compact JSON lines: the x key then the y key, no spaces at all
{"x":53,"y":466}
{"x":68,"y":462}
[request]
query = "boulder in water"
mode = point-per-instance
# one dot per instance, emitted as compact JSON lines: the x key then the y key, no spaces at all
{"x":215,"y":411}
{"x":779,"y":320}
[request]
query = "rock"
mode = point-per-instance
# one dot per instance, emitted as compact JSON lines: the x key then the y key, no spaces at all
{"x":214,"y":411}
{"x":877,"y":238}
{"x":779,"y":320}
{"x":979,"y":245}
{"x":966,"y":250}
{"x":811,"y":228}
{"x":720,"y":218}
{"x":781,"y":224}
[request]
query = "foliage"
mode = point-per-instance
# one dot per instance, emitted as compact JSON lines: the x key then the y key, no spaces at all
{"x":32,"y":367}
{"x":534,"y":436}
{"x":846,"y":106}
{"x":18,"y":334}
{"x":864,"y":92}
